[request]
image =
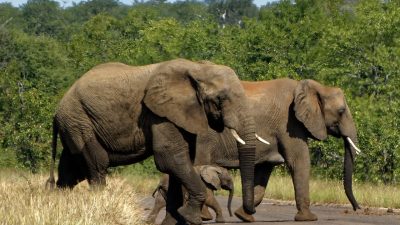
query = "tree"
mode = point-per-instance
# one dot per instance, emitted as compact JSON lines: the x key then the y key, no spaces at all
{"x":84,"y":10}
{"x":232,"y":11}
{"x":10,"y":17}
{"x":43,"y":17}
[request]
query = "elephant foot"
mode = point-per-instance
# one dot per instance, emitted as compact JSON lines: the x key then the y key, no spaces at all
{"x":305,"y":215}
{"x":241,"y":214}
{"x":190,"y":214}
{"x":205,"y":214}
{"x":206,"y":218}
{"x":170,"y":220}
{"x":220,"y":219}
{"x":150,"y":220}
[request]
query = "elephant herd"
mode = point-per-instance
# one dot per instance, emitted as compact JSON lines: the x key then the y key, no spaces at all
{"x":189,"y":115}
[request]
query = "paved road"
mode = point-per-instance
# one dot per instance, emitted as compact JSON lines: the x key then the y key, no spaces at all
{"x":272,"y":212}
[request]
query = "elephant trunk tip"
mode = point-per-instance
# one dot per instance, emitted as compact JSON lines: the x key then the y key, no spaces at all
{"x":355,"y":207}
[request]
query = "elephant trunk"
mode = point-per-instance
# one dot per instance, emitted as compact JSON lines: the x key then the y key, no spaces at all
{"x":239,"y":119}
{"x":348,"y":171}
{"x":231,"y":190}
{"x":349,"y":134}
{"x":246,"y":164}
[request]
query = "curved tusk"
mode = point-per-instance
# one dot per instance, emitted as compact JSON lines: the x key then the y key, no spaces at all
{"x":262,"y":140}
{"x":358,"y":151}
{"x":236,"y":136}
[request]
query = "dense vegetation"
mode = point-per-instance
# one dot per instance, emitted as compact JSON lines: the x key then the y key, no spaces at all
{"x":351,"y":44}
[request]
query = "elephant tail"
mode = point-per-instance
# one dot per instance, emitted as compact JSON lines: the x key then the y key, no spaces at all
{"x":50,"y":183}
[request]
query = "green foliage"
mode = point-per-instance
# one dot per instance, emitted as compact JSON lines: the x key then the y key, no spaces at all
{"x":26,"y":115}
{"x":351,"y":44}
{"x":232,"y":11}
{"x":32,"y":73}
{"x":43,"y":17}
{"x":145,"y":168}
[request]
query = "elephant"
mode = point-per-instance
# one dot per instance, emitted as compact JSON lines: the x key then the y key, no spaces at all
{"x":214,"y":177}
{"x":117,"y":114}
{"x":287,"y":113}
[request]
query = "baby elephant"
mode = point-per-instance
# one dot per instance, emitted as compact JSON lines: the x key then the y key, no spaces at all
{"x":214,"y":177}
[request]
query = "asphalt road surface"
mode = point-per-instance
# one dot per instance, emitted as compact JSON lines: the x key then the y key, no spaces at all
{"x":282,"y":213}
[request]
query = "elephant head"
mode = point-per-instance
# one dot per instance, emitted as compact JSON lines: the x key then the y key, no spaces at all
{"x":195,"y":96}
{"x":323,"y":110}
{"x":216,"y":178}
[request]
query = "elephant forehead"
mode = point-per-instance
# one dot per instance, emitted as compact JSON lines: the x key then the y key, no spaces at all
{"x":334,"y":99}
{"x":215,"y":85}
{"x":332,"y":92}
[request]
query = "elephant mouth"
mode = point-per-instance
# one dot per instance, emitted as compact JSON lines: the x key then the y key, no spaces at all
{"x":334,"y":131}
{"x":216,"y":122}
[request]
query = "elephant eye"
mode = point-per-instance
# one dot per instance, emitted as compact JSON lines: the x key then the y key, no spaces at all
{"x":220,"y":100}
{"x":341,"y":110}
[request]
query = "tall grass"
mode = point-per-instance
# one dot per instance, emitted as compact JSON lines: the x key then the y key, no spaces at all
{"x":24,"y":200}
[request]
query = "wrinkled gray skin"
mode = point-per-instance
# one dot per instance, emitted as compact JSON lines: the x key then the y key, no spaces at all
{"x":214,"y":177}
{"x":117,"y":114}
{"x":287,"y":113}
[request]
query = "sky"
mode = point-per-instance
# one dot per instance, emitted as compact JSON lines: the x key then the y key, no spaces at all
{"x":67,"y":3}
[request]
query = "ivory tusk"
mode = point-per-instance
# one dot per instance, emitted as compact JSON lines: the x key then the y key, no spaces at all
{"x":358,"y":151}
{"x":262,"y":140}
{"x":236,"y":136}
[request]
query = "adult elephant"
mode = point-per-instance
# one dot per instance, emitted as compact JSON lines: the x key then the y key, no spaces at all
{"x":117,"y":114}
{"x":287,"y":113}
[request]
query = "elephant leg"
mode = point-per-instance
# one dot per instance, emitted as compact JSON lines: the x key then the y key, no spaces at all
{"x":205,"y":214}
{"x":159,"y":203}
{"x":97,"y":162}
{"x":214,"y":205}
{"x":261,"y":178}
{"x":72,"y":169}
{"x":298,"y":163}
{"x":171,"y":153}
{"x":191,"y":211}
{"x":173,"y":202}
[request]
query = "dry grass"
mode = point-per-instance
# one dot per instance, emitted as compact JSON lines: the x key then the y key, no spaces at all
{"x":332,"y":192}
{"x":145,"y":185}
{"x":321,"y":191}
{"x":24,"y":200}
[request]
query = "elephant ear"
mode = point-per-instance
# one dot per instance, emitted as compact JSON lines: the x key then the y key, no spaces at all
{"x":210,"y":175}
{"x":176,"y":96}
{"x":307,"y":107}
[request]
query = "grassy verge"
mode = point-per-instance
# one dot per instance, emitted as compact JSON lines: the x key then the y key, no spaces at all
{"x":24,"y":200}
{"x":280,"y":187}
{"x":332,"y":192}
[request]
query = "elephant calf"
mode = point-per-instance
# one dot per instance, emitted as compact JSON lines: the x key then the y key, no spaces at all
{"x":214,"y":177}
